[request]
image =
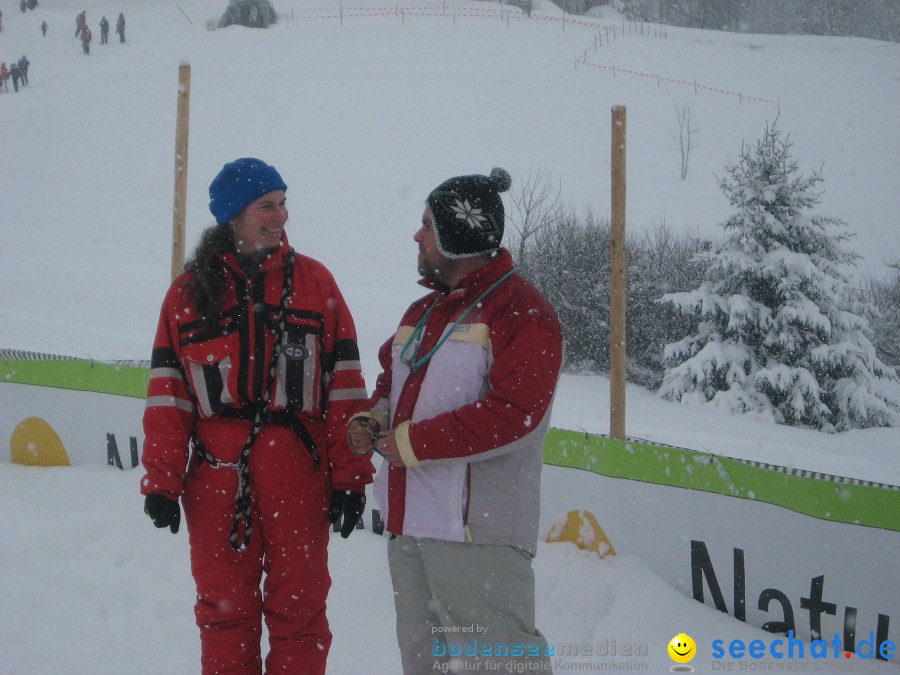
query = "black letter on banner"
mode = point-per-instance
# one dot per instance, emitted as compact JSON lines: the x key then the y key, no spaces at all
{"x":850,"y":629}
{"x":765,"y":598}
{"x":881,"y":636}
{"x":112,"y":452}
{"x":377,"y":522}
{"x":701,"y":566}
{"x":816,"y":607}
{"x":740,"y":586}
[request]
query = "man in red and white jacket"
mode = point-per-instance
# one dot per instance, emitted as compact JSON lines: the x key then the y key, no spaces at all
{"x":459,"y":413}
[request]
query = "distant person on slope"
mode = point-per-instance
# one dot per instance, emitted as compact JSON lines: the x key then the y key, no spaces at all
{"x":104,"y":30}
{"x":80,"y":21}
{"x":256,"y":370}
{"x":23,"y":69}
{"x":44,"y":28}
{"x":86,"y":39}
{"x":14,"y":75}
{"x":4,"y":77}
{"x":459,"y":414}
{"x":120,"y":27}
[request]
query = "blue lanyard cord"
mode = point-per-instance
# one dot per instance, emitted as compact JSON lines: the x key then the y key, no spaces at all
{"x":416,"y":337}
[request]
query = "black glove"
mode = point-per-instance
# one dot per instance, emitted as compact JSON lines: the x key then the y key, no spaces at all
{"x":163,"y":511}
{"x":350,"y":506}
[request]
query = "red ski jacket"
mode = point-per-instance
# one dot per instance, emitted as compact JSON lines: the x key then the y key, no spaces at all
{"x":470,"y":416}
{"x":206,"y":375}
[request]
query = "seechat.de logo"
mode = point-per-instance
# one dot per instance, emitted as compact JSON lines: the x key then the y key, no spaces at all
{"x":682,"y":649}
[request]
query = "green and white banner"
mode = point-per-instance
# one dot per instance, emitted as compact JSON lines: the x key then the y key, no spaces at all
{"x":785,"y":549}
{"x":58,"y":410}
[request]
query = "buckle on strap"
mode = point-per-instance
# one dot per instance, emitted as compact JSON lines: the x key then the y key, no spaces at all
{"x":214,"y":462}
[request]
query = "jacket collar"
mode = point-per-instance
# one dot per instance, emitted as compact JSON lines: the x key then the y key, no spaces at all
{"x":477,"y":281}
{"x":274,"y":260}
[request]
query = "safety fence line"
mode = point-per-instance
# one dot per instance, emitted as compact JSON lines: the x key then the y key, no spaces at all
{"x":370,"y":12}
{"x":7,"y":355}
{"x":661,"y":78}
{"x":444,"y":11}
{"x":816,"y":494}
{"x":778,"y":468}
{"x":447,"y":11}
{"x":19,"y":355}
{"x":117,"y":377}
{"x":803,"y":473}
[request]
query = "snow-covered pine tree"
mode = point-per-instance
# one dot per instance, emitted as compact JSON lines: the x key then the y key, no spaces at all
{"x":782,"y":330}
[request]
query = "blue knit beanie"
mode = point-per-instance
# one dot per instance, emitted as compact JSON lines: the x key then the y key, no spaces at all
{"x":238,"y":184}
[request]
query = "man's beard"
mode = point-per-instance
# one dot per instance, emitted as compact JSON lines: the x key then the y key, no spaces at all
{"x":429,"y":271}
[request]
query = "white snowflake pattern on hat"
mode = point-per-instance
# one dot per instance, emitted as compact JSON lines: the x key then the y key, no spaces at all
{"x":464,"y":211}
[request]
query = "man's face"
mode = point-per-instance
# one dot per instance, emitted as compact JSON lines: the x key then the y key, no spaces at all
{"x":261,"y":224}
{"x":432,"y":263}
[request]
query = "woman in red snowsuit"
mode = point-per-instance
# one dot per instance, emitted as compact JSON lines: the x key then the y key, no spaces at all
{"x":270,"y":465}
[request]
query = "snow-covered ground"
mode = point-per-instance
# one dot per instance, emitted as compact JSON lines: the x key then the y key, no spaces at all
{"x":363,"y":116}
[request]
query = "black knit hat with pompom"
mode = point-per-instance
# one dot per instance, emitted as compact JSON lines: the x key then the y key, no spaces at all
{"x":467,"y":213}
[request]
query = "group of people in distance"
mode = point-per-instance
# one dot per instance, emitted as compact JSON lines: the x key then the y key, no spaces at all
{"x":17,"y":72}
{"x":258,"y":424}
{"x":83,"y":31}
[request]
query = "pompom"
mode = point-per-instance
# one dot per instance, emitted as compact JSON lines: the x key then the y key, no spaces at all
{"x":501,"y":179}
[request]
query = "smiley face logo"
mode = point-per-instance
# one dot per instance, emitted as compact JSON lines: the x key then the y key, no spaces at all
{"x":682,"y":648}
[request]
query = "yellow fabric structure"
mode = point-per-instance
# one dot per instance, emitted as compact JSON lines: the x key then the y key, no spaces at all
{"x":35,"y":443}
{"x":582,"y":529}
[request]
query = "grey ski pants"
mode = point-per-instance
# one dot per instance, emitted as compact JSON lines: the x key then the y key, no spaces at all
{"x":464,"y":607}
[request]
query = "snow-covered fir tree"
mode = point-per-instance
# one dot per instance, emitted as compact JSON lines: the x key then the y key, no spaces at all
{"x":782,"y":331}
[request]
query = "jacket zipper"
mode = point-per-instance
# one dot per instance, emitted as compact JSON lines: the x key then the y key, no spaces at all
{"x":468,"y":499}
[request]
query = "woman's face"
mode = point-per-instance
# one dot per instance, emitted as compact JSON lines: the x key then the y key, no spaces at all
{"x":261,"y":224}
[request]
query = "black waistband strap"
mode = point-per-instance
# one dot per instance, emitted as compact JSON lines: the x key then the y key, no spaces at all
{"x":242,"y":498}
{"x":283,"y":418}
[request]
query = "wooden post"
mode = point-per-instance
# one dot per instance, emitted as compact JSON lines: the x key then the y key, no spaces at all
{"x":617,"y":279}
{"x":181,"y":161}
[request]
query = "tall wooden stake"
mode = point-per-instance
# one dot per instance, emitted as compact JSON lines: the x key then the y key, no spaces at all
{"x":617,"y":279}
{"x":181,"y":162}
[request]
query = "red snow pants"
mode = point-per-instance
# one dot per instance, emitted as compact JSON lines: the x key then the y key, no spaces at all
{"x":288,"y":544}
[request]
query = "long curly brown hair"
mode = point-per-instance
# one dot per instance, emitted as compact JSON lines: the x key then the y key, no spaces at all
{"x":209,"y":272}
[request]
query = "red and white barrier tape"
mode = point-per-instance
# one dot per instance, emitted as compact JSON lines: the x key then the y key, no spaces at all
{"x":474,"y":12}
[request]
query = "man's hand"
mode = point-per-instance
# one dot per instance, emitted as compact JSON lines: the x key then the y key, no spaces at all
{"x":361,"y":432}
{"x":386,"y":446}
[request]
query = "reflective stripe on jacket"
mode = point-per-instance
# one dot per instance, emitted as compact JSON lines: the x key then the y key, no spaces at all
{"x":197,"y":372}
